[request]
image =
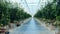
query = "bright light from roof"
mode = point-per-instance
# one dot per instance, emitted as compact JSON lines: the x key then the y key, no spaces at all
{"x":32,"y":5}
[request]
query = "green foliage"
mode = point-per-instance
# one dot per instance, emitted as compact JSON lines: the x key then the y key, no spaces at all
{"x":48,"y":12}
{"x":58,"y":18}
{"x":11,"y":13}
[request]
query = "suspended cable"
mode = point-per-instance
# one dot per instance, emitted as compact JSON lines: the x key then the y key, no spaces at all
{"x":27,"y":4}
{"x":38,"y":4}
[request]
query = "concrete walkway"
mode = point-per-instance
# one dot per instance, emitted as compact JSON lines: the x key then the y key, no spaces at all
{"x":32,"y":27}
